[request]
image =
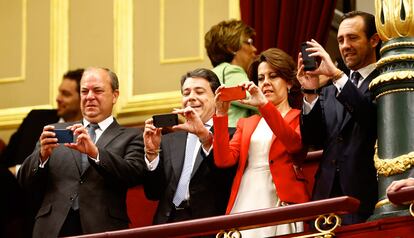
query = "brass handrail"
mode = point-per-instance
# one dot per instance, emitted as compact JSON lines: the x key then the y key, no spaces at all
{"x":240,"y":221}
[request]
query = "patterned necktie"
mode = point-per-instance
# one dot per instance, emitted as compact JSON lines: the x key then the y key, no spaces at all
{"x":91,"y":130}
{"x":182,"y":187}
{"x":355,"y":77}
{"x":84,"y":161}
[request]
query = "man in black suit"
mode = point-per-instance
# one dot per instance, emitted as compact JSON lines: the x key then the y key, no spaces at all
{"x":23,"y":141}
{"x":186,"y":181}
{"x":84,"y":184}
{"x":342,"y":118}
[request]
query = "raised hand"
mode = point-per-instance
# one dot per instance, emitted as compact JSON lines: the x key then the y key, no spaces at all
{"x":48,"y":142}
{"x":257,"y":98}
{"x":152,"y":139}
{"x":83,"y":143}
{"x":327,"y":66}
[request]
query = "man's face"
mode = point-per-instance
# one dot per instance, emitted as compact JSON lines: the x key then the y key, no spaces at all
{"x":97,"y":96}
{"x":356,"y":49}
{"x":68,"y":100}
{"x":197,"y":94}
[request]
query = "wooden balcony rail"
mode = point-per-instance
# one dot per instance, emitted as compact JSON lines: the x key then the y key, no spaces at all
{"x":241,"y":221}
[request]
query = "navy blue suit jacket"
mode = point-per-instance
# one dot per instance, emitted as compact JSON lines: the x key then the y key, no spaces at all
{"x":344,"y":126}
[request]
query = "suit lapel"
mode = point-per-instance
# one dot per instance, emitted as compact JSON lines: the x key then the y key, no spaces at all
{"x":109,"y":134}
{"x":364,"y":90}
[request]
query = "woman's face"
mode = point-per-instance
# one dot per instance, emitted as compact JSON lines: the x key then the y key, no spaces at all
{"x":271,"y":84}
{"x":246,"y":54}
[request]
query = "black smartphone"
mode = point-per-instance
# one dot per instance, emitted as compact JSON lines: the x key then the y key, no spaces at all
{"x":308,"y":61}
{"x":165,"y":120}
{"x":64,"y":136}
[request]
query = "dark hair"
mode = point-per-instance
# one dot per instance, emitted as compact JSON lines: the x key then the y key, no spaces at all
{"x":225,"y":38}
{"x":75,"y":75}
{"x":206,"y":74}
{"x":285,"y":67}
{"x":369,"y":26}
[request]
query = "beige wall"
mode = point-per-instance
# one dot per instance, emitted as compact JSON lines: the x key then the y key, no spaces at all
{"x":148,"y":43}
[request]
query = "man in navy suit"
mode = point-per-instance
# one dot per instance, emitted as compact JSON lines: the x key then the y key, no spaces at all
{"x":206,"y":190}
{"x":23,"y":141}
{"x":341,"y":117}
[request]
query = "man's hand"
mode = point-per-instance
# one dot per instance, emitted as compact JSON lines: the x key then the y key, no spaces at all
{"x":327,"y":66}
{"x":84,"y":143}
{"x":152,"y":140}
{"x":48,"y":142}
{"x":397,"y":185}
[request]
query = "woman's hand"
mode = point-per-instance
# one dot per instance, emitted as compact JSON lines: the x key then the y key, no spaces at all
{"x":257,"y":98}
{"x":222,"y":107}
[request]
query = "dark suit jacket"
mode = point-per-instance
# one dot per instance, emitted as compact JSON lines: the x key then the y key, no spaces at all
{"x":344,"y":125}
{"x":209,"y":186}
{"x":101,"y":188}
{"x":23,"y":141}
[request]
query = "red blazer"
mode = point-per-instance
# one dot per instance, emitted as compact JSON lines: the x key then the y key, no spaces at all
{"x":285,"y":142}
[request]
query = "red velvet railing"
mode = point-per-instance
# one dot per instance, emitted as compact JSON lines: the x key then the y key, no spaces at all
{"x":259,"y":218}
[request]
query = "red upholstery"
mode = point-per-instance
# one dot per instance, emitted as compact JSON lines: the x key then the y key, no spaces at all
{"x":140,"y":209}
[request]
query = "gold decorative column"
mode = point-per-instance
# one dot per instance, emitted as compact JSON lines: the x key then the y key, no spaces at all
{"x":394,"y":91}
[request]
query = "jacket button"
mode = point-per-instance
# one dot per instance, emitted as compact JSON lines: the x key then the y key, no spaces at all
{"x":271,"y":161}
{"x":81,"y":181}
{"x":339,"y":139}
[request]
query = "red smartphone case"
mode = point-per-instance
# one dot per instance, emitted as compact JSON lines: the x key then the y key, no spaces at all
{"x":232,"y":93}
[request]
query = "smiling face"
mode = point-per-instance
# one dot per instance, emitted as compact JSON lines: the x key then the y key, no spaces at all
{"x":197,"y":94}
{"x":356,"y":49}
{"x":97,"y":96}
{"x":271,"y":84}
{"x":68,"y":100}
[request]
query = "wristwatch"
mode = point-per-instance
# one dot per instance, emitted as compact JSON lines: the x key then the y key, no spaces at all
{"x":310,"y":91}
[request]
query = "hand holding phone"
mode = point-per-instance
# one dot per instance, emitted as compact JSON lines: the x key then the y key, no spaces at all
{"x":165,"y":120}
{"x":232,"y":93}
{"x":308,"y":61}
{"x":64,"y":136}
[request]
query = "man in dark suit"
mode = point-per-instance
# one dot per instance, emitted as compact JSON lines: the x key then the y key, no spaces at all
{"x":23,"y":141}
{"x":85,"y":184}
{"x":186,"y":181}
{"x":342,"y":118}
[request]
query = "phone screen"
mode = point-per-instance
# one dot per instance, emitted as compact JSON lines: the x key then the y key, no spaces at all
{"x":165,"y":120}
{"x":64,"y":136}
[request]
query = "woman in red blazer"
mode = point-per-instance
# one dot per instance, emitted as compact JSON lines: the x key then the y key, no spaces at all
{"x":266,"y":147}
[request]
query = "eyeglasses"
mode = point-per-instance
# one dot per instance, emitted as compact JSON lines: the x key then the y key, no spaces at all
{"x":248,"y":41}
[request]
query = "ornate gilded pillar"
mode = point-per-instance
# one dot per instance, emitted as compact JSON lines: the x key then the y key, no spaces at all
{"x":394,"y":91}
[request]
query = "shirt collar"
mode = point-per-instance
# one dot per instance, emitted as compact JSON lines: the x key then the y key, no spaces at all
{"x":367,"y":70}
{"x":103,"y":124}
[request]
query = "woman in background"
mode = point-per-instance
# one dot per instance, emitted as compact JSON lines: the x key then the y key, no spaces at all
{"x":229,"y":46}
{"x":267,"y":148}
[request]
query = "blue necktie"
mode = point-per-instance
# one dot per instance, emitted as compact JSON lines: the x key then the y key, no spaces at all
{"x":184,"y":181}
{"x":84,"y":161}
{"x":91,"y":130}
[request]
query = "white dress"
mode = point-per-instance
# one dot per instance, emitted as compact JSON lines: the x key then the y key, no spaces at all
{"x":257,"y":190}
